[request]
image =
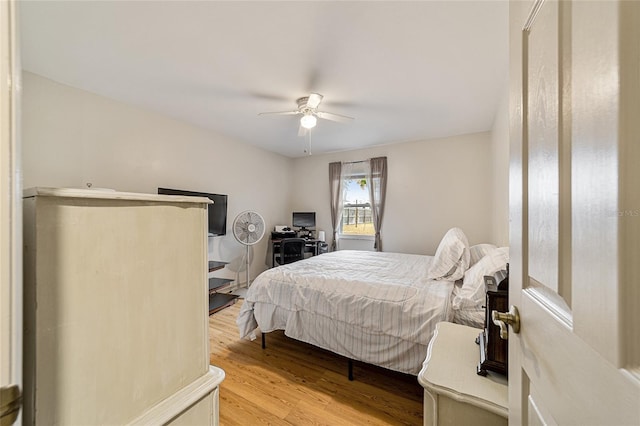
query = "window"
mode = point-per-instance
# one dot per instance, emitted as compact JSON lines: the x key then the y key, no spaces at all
{"x":356,"y":214}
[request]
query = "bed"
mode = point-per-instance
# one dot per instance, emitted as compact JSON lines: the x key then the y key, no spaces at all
{"x":375,"y":307}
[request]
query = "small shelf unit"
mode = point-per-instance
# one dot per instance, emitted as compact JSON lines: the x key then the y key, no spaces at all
{"x":218,"y":300}
{"x":219,"y":284}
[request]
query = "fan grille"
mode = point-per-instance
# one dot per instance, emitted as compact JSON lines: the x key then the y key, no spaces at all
{"x":248,"y":227}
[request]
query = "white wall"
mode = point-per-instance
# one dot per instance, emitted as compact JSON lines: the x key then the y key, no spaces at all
{"x":71,"y":137}
{"x":500,"y":169}
{"x":432,"y":186}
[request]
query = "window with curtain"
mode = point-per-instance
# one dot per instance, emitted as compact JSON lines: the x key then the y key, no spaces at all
{"x":356,"y":218}
{"x":357,"y":197}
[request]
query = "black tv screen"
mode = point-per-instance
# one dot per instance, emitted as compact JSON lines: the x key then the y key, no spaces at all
{"x":304,"y":219}
{"x":217,"y":210}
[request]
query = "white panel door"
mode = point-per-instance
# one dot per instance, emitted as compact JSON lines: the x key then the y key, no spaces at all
{"x":575,"y":212}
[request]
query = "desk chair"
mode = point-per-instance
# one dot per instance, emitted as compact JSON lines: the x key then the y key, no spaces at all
{"x":291,"y":250}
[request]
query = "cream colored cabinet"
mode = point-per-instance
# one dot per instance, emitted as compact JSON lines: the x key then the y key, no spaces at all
{"x":115,"y":309}
{"x":454,"y":394}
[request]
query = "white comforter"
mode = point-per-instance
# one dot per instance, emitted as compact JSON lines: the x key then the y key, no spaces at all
{"x":352,"y":296}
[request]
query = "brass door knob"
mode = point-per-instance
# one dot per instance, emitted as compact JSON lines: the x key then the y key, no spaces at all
{"x":501,"y":319}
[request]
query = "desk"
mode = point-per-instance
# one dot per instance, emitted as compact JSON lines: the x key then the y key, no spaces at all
{"x":311,"y":246}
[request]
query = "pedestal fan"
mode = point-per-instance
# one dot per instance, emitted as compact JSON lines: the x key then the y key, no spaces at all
{"x":248,"y":228}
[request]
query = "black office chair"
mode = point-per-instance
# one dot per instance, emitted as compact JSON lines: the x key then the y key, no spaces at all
{"x":291,"y":250}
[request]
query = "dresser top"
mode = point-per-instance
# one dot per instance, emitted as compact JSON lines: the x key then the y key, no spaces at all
{"x":450,"y":369}
{"x":108,"y":194}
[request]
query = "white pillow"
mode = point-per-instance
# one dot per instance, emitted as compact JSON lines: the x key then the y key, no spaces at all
{"x":479,"y":251}
{"x":452,"y":257}
{"x":472,"y":292}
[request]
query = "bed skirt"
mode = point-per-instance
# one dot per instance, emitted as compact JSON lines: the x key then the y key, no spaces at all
{"x":344,"y":339}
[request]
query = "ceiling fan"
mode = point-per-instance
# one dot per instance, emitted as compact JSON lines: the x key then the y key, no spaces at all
{"x":308,"y":108}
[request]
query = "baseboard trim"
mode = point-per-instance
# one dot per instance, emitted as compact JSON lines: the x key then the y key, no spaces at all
{"x":181,"y":401}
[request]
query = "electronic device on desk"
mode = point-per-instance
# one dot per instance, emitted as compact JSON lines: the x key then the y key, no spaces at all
{"x":281,"y":232}
{"x":304,"y":221}
{"x":494,"y":350}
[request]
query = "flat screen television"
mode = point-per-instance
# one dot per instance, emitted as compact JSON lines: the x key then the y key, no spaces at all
{"x":304,"y":220}
{"x":217,"y":211}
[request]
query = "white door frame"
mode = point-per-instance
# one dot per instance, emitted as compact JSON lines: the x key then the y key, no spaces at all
{"x":11,"y":201}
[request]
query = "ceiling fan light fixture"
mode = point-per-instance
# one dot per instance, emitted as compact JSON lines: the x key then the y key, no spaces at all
{"x":308,"y":121}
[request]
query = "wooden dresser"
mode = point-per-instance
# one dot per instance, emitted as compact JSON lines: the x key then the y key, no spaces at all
{"x":115,"y":309}
{"x":494,"y":350}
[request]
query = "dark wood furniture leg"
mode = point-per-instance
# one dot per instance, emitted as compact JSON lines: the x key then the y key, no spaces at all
{"x":264,"y":341}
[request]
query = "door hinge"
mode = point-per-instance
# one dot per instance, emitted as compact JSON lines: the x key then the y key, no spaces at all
{"x":10,"y":402}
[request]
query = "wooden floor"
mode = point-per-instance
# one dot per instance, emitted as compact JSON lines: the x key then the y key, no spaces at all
{"x":293,"y":383}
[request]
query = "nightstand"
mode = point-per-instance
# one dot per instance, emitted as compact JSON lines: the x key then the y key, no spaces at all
{"x":453,"y":393}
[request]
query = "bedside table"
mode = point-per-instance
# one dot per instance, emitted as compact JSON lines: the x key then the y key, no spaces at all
{"x":453,"y":393}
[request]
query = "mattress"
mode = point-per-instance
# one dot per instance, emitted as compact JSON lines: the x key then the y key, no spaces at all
{"x":373,"y":307}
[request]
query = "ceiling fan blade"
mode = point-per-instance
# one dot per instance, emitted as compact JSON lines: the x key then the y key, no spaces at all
{"x":302,"y":131}
{"x":314,"y":100}
{"x":280,"y":113}
{"x":333,"y":117}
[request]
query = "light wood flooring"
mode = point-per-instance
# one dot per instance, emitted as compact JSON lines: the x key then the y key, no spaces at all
{"x":293,"y":383}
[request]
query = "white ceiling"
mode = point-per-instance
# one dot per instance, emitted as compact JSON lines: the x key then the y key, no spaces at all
{"x":405,"y":70}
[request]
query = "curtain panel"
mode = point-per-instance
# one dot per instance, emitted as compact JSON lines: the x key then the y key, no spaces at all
{"x":377,"y":179}
{"x":335,"y":190}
